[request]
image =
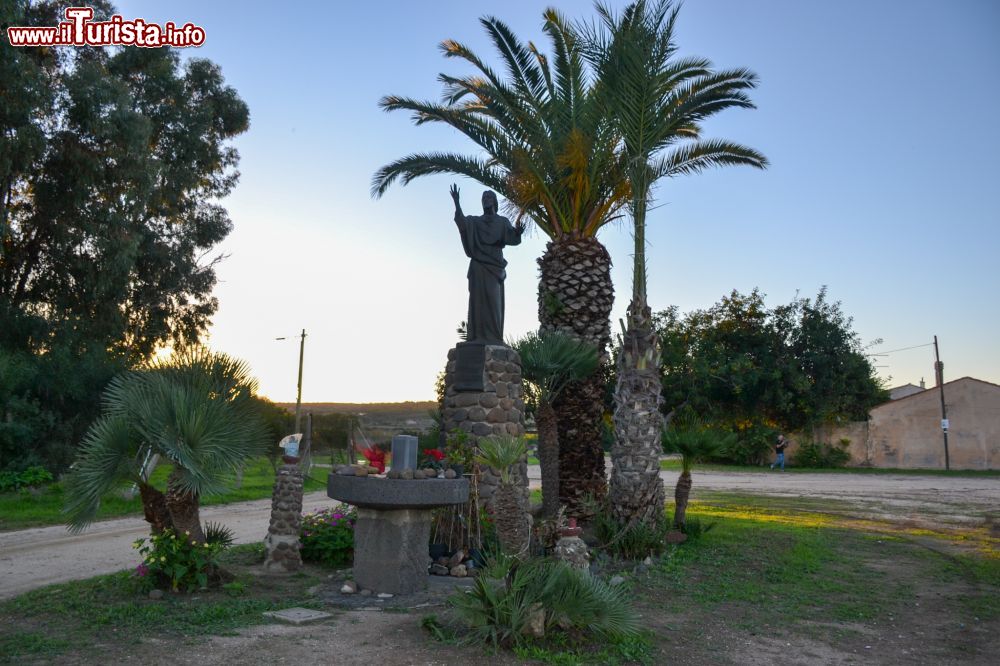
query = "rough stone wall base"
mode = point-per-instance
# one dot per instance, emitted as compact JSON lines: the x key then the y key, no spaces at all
{"x":281,"y":546}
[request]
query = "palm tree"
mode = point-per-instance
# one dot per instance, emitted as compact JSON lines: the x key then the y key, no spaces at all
{"x":195,"y":410}
{"x":551,"y":361}
{"x":550,"y":149}
{"x":694,"y":441}
{"x":657,"y":102}
{"x":510,"y":516}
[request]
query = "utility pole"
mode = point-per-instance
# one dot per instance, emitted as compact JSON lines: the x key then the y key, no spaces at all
{"x":939,"y":376}
{"x":298,"y":397}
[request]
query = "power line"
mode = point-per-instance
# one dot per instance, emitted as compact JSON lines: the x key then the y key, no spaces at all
{"x":893,"y":351}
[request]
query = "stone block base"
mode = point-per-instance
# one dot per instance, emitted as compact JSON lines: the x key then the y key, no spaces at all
{"x":390,"y":550}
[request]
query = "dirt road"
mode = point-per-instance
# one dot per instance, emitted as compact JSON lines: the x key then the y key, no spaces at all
{"x":42,"y":556}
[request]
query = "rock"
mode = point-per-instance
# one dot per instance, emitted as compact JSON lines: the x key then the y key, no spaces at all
{"x":407,"y":474}
{"x":394,"y":474}
{"x":419,"y":474}
{"x":449,"y":474}
{"x":459,"y":571}
{"x":345,"y":470}
{"x":156,"y":595}
{"x":384,"y":595}
{"x":372,"y":470}
{"x":535,"y":623}
{"x":616,"y":580}
{"x":439,"y":570}
{"x":457,"y":558}
{"x":430,"y":473}
{"x":365,"y":593}
{"x":360,"y":471}
{"x":648,"y":561}
{"x":350,"y":587}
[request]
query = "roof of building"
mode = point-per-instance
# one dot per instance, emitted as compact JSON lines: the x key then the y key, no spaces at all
{"x":953,"y":381}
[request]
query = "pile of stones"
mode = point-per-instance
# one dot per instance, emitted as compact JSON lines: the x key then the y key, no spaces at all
{"x":458,"y":565}
{"x":408,"y":474}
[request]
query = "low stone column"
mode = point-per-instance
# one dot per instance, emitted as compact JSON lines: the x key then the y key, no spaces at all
{"x":281,"y":546}
{"x":390,"y":549}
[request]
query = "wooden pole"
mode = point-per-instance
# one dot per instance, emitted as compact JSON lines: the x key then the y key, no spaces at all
{"x":939,"y":375}
{"x":298,"y":398}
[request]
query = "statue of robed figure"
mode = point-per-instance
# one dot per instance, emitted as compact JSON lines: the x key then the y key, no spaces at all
{"x":483,"y":238}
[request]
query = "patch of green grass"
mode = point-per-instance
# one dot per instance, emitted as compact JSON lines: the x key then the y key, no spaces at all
{"x":23,"y":509}
{"x":106,"y":609}
{"x":566,"y":652}
{"x":29,"y":643}
{"x":674,"y":464}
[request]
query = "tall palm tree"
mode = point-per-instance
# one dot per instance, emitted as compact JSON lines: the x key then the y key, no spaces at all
{"x":551,"y":361}
{"x":550,"y":149}
{"x":657,"y":102}
{"x":195,"y":410}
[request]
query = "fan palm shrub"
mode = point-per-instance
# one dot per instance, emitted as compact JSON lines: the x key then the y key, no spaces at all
{"x":195,"y":410}
{"x":546,"y":144}
{"x":508,"y":592}
{"x":550,"y":362}
{"x":657,"y":102}
{"x":510,"y":515}
{"x":694,"y":441}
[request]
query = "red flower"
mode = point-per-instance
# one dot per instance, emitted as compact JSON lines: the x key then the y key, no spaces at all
{"x":375,"y":457}
{"x":437,"y":454}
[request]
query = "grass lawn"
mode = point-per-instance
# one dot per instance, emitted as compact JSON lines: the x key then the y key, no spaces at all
{"x":766,"y":583}
{"x":674,"y":464}
{"x":19,"y":510}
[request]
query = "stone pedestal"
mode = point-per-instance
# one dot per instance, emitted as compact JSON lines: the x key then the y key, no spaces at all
{"x":394,"y":526}
{"x":281,"y":546}
{"x":390,"y":550}
{"x":492,"y":406}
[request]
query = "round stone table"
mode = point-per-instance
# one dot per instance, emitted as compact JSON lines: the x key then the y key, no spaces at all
{"x":393,"y":530}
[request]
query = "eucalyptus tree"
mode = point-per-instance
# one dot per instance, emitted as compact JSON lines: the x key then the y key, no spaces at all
{"x":551,"y":362}
{"x":197,"y":411}
{"x":547,"y":145}
{"x":657,"y":102}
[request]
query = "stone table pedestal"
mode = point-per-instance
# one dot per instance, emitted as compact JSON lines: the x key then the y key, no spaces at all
{"x":393,"y":530}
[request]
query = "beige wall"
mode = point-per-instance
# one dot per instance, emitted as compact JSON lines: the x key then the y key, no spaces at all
{"x":907,"y":433}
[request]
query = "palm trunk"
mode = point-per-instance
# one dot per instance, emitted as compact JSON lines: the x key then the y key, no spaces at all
{"x":575,"y":296}
{"x":511,"y":520}
{"x":548,"y":458}
{"x":682,"y":492}
{"x":154,"y":508}
{"x":183,"y":508}
{"x":637,"y":494}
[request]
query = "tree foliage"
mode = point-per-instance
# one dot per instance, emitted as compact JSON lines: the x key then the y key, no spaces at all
{"x":758,"y":369}
{"x":112,"y":162}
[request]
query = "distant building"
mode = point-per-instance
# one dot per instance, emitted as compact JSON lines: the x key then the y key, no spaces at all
{"x":905,"y":390}
{"x":906,"y":432}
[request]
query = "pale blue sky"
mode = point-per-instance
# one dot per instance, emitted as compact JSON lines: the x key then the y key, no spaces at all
{"x":879,"y":119}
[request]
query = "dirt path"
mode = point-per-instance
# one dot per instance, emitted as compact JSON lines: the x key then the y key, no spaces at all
{"x":42,"y":556}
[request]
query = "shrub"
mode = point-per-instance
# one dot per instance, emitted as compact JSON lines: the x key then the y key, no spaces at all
{"x":816,"y":454}
{"x":630,"y":542}
{"x":509,"y":592}
{"x":181,"y":563}
{"x":29,"y":478}
{"x":327,"y":536}
{"x":753,"y":445}
{"x":217,"y":533}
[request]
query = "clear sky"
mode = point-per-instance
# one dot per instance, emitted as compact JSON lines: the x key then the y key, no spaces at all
{"x":879,"y":118}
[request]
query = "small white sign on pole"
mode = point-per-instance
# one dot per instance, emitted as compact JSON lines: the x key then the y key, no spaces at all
{"x":944,"y":424}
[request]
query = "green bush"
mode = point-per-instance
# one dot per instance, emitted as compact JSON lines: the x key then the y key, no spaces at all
{"x":180,"y":563}
{"x":509,"y":592}
{"x":29,"y":478}
{"x":753,"y":445}
{"x":630,"y":542}
{"x":820,"y":455}
{"x":327,"y":536}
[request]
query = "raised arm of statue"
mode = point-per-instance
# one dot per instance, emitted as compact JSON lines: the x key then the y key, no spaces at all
{"x":512,"y":233}
{"x":460,"y":221}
